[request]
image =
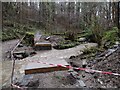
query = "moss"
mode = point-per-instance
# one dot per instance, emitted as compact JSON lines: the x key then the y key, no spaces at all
{"x":66,"y":44}
{"x":30,"y":33}
{"x":111,"y":36}
{"x":29,"y":39}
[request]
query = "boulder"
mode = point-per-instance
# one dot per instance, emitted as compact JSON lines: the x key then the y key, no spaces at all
{"x":20,"y":54}
{"x":82,"y":39}
{"x":71,"y":57}
{"x":75,"y":64}
{"x":33,"y":83}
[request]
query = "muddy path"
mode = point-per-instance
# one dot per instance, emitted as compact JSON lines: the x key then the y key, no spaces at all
{"x":44,"y":55}
{"x":7,"y":46}
{"x":6,"y":64}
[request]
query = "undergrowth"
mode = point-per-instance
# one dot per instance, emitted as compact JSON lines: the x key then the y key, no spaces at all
{"x":66,"y":44}
{"x":110,"y":37}
{"x":13,"y":31}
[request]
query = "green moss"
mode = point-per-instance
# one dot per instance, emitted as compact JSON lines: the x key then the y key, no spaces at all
{"x":111,"y":36}
{"x":30,"y":33}
{"x":67,"y":44}
{"x":29,"y":39}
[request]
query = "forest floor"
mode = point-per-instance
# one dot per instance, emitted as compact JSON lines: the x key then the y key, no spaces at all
{"x":97,"y":80}
{"x":62,"y":79}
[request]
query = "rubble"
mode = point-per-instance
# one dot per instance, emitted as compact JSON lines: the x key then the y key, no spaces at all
{"x":74,"y":64}
{"x":82,"y":84}
{"x":71,"y":57}
{"x":111,"y":64}
{"x":100,"y":81}
{"x":33,"y":83}
{"x":75,"y":75}
{"x":104,"y":61}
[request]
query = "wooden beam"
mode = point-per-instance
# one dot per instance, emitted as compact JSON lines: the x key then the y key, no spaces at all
{"x":35,"y":67}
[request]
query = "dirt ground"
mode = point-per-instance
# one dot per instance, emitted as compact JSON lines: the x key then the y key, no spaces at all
{"x":62,"y":79}
{"x":47,"y":54}
{"x":7,"y":46}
